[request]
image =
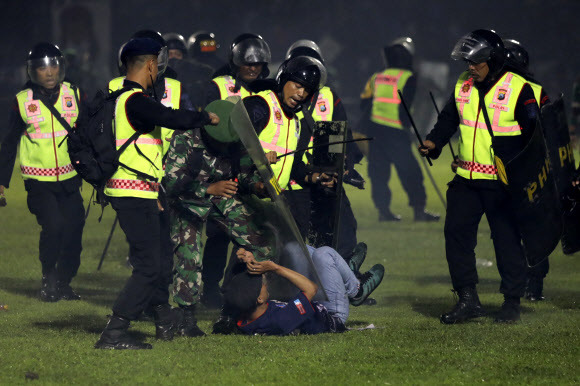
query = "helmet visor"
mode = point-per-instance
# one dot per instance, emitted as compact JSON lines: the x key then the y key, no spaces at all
{"x":472,"y":49}
{"x":47,"y":72}
{"x":162,"y":60}
{"x":251,"y":51}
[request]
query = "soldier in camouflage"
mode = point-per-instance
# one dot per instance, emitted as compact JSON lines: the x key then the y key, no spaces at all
{"x":205,"y":177}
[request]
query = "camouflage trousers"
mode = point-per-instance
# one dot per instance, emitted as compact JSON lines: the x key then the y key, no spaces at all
{"x":234,"y":218}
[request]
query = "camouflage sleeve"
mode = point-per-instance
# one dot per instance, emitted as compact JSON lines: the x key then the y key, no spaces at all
{"x":183,"y":169}
{"x":248,"y":175}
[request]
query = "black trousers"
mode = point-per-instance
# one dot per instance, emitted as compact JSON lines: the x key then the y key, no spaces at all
{"x":151,"y":255}
{"x":467,"y":201}
{"x":393,"y":147}
{"x":58,"y":207}
{"x":322,"y":223}
{"x":214,"y":255}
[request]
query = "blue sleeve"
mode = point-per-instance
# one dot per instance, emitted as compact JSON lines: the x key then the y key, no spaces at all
{"x":298,"y":311}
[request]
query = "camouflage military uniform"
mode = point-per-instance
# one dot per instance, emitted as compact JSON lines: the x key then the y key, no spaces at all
{"x":190,"y":170}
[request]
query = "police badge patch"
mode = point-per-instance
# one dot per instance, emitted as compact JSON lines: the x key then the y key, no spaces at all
{"x":68,"y":101}
{"x":278,"y":115}
{"x":465,"y":87}
{"x":322,"y":107}
{"x":32,"y":108}
{"x":501,"y":94}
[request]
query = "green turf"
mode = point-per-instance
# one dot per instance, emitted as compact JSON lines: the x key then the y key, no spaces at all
{"x":409,"y":345}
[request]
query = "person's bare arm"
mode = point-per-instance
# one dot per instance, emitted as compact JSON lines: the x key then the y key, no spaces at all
{"x":302,"y":282}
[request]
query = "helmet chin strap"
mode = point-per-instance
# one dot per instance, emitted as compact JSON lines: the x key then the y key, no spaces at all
{"x":153,"y":86}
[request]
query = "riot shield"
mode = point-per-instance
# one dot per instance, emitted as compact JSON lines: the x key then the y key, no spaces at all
{"x":273,"y":215}
{"x":533,"y":191}
{"x":561,"y":156}
{"x":326,"y":203}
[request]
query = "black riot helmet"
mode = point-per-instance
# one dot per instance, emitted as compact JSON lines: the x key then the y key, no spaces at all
{"x":46,"y":56}
{"x":307,"y":71}
{"x":162,"y":58}
{"x":305,"y":47}
{"x":516,"y":56}
{"x":248,"y":49}
{"x":202,"y":43}
{"x":399,"y":53}
{"x":481,"y":46}
{"x":175,"y":41}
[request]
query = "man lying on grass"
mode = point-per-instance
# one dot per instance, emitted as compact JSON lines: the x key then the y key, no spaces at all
{"x":247,"y":296}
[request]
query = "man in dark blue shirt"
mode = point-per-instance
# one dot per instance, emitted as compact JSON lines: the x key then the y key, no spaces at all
{"x":247,"y":295}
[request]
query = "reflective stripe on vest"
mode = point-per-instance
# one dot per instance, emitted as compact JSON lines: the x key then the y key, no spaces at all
{"x":386,"y":101}
{"x":226,"y":85}
{"x":476,"y":156}
{"x":41,"y":157}
{"x":280,"y":135}
{"x":125,"y":183}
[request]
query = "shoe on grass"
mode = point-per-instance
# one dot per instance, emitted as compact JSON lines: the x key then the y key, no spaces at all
{"x":369,"y":281}
{"x":358,"y":257}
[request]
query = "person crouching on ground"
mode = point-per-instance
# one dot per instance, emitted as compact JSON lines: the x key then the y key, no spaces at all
{"x":247,"y":294}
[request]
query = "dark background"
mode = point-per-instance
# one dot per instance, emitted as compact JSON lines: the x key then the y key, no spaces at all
{"x":350,"y":33}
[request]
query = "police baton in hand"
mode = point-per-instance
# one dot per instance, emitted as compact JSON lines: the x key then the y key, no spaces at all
{"x":437,"y":110}
{"x":413,"y":124}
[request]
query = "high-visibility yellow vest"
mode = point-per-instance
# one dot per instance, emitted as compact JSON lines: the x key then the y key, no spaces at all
{"x":537,"y":89}
{"x":226,"y":85}
{"x":386,"y":101}
{"x":41,"y":157}
{"x":476,"y":156}
{"x":280,"y":135}
{"x":323,"y":110}
{"x":125,"y":183}
{"x":171,"y":98}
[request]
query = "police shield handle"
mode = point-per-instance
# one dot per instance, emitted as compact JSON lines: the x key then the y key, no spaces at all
{"x":2,"y":197}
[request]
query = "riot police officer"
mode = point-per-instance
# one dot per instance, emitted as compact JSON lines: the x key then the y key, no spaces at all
{"x":50,"y":180}
{"x":248,"y":61}
{"x":476,"y":189}
{"x":203,"y":48}
{"x":193,"y":74}
{"x":388,"y":125}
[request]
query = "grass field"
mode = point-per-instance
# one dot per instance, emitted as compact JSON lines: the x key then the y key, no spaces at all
{"x":54,"y":342}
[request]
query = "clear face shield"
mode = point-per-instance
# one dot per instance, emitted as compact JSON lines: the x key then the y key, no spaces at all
{"x":47,"y":72}
{"x":162,"y":60}
{"x":251,"y":51}
{"x":471,"y":49}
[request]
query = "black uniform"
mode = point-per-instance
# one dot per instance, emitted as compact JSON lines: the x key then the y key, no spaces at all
{"x":146,"y":227}
{"x":468,"y":200}
{"x":58,"y":206}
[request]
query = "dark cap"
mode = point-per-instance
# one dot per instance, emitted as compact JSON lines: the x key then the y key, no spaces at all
{"x":140,"y":46}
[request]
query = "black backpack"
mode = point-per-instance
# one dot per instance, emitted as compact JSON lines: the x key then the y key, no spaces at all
{"x":91,"y":143}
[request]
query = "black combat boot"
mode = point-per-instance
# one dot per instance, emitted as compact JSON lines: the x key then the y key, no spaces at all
{"x":48,"y":290}
{"x":225,"y":324}
{"x":188,"y":326}
{"x":510,"y":310}
{"x":389,"y":216}
{"x":115,"y":336}
{"x":164,"y":322}
{"x":535,"y":289}
{"x":422,"y":215}
{"x":467,"y":307}
{"x":65,"y":291}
